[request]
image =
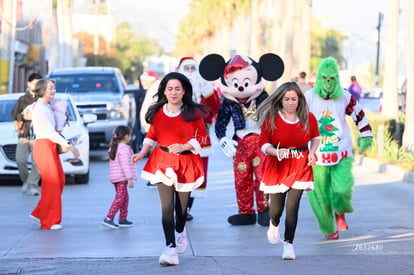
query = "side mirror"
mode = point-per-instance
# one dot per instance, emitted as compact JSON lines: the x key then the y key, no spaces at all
{"x":89,"y":118}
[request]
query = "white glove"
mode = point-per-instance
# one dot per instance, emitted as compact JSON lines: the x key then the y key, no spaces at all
{"x":228,"y":146}
{"x":206,"y":89}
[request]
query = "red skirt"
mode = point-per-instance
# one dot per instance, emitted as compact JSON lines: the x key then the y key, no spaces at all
{"x":185,"y":172}
{"x":281,"y":175}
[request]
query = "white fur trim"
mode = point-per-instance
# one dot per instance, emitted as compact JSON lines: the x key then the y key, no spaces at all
{"x":170,"y":179}
{"x":150,"y":142}
{"x":206,"y":151}
{"x":264,"y":147}
{"x":196,"y":145}
{"x":300,"y":185}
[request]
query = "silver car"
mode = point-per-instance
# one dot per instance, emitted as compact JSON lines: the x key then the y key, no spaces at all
{"x":74,"y":131}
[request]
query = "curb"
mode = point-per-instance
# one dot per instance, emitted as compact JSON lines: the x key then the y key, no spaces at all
{"x":386,"y":168}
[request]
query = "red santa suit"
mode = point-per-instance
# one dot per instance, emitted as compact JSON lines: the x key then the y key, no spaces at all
{"x":185,"y":171}
{"x":293,"y":172}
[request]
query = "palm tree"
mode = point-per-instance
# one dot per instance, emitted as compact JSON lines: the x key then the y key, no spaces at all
{"x":61,"y":35}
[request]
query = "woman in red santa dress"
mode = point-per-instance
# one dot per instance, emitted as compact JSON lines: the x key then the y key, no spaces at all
{"x":175,"y":166}
{"x":287,"y":129}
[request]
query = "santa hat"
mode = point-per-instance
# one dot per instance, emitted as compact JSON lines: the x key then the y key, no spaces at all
{"x":148,"y":75}
{"x":188,"y":60}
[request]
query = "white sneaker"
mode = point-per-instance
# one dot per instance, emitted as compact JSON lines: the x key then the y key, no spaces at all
{"x":288,"y":251}
{"x":55,"y":227}
{"x":25,"y":187}
{"x":181,"y":241}
{"x":36,"y":219}
{"x":32,"y":192}
{"x":169,"y":256}
{"x":273,"y":234}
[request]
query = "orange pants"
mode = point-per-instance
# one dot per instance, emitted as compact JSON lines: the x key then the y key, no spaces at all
{"x":49,"y":208}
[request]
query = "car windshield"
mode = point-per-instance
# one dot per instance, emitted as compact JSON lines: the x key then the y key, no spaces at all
{"x":74,"y":83}
{"x":6,"y":107}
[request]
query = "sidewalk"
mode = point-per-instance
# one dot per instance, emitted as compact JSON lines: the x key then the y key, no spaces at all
{"x":377,"y":242}
{"x":385,"y":168}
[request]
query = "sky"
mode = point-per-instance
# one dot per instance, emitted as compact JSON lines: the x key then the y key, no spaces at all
{"x":358,"y":20}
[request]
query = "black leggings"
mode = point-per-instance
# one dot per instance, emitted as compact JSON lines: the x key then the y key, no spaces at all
{"x":277,"y":203}
{"x":170,"y":200}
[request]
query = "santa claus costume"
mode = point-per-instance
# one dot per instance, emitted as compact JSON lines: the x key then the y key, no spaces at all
{"x":185,"y":171}
{"x":293,"y":172}
{"x":177,"y":125}
{"x":287,"y":129}
{"x":203,"y":93}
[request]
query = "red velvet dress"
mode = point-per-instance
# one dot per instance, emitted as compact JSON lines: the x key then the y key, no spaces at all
{"x":293,"y":172}
{"x":184,"y":171}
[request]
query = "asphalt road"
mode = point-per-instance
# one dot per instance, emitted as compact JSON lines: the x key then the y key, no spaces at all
{"x":380,"y":238}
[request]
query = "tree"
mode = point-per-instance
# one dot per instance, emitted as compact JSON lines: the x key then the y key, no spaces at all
{"x":199,"y":33}
{"x":245,"y":24}
{"x":325,"y":43}
{"x":61,"y":42}
{"x":327,"y":130}
{"x":132,"y":50}
{"x":87,"y":41}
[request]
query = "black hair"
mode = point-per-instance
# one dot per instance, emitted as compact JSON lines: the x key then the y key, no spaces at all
{"x":119,"y":134}
{"x":191,"y":111}
{"x":34,"y":76}
{"x":41,"y":86}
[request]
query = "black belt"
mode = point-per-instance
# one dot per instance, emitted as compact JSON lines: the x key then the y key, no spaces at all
{"x":168,"y":151}
{"x":297,"y":149}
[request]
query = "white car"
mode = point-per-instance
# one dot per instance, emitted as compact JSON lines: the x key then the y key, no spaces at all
{"x":75,"y":131}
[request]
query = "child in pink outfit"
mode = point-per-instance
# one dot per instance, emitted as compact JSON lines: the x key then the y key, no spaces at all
{"x":60,"y":108}
{"x":122,"y":173}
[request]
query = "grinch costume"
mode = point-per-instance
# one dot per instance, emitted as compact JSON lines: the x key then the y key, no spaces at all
{"x":333,"y":179}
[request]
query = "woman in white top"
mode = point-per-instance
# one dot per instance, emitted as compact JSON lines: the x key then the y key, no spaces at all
{"x":49,"y":209}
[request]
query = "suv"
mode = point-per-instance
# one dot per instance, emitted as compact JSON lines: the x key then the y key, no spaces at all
{"x":100,"y":91}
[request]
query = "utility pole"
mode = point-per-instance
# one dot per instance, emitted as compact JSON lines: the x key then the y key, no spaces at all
{"x":380,"y":18}
{"x":12,"y":43}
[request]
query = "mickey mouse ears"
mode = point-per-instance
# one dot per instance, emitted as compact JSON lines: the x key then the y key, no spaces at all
{"x":212,"y":66}
{"x":270,"y":66}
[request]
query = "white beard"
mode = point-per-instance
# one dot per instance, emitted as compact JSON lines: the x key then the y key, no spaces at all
{"x":200,"y":86}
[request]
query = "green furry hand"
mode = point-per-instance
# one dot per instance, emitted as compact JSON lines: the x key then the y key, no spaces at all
{"x":364,"y":144}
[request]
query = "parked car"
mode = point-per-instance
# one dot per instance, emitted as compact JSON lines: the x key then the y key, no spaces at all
{"x":75,"y":131}
{"x":101,"y":91}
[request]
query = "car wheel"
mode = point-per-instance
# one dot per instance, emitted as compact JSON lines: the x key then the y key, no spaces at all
{"x":82,"y":178}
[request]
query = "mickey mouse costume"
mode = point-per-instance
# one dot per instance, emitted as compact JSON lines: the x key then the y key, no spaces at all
{"x":243,"y":89}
